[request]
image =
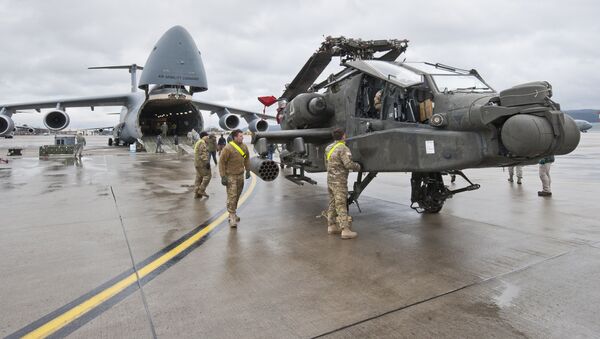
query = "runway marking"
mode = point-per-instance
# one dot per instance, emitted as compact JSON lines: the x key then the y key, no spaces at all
{"x":125,"y":282}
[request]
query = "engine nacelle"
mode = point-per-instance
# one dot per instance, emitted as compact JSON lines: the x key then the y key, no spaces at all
{"x":56,"y":120}
{"x":307,"y":110}
{"x":258,"y":125}
{"x":6,"y":125}
{"x":229,"y":121}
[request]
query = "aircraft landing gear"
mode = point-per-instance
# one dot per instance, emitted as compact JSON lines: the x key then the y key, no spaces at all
{"x":428,"y":192}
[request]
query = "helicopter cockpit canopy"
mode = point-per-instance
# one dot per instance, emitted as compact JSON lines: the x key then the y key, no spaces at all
{"x":388,"y":71}
{"x":450,"y":79}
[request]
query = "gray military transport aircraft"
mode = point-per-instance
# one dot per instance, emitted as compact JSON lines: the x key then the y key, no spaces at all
{"x":173,"y":64}
{"x":432,"y":120}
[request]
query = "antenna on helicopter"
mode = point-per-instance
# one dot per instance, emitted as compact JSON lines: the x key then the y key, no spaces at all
{"x":132,"y":70}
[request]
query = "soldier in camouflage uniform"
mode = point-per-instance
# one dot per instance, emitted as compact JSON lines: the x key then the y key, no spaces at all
{"x":212,"y":147}
{"x":202,"y":164}
{"x":339,"y":162}
{"x":232,"y":163}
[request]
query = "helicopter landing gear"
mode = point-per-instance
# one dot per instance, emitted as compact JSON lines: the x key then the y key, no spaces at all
{"x":428,"y":192}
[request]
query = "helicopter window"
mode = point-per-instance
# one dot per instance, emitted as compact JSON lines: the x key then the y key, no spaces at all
{"x":459,"y":83}
{"x":366,"y":101}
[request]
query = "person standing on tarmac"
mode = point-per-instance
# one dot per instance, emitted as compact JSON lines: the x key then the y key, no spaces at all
{"x":212,"y":147}
{"x":338,"y":159}
{"x":79,"y":143}
{"x":234,"y":159}
{"x":202,"y":164}
{"x":221,"y":144}
{"x":545,"y":176}
{"x":511,"y":173}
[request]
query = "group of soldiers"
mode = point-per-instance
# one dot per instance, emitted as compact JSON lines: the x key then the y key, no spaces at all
{"x":234,"y":167}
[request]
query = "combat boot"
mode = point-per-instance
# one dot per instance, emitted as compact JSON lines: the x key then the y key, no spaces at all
{"x":347,"y":233}
{"x":232,"y":220}
{"x":544,"y":194}
{"x":345,"y":224}
{"x":519,"y":181}
{"x":197,"y":195}
{"x":205,"y":195}
{"x":333,"y":229}
{"x":510,"y":179}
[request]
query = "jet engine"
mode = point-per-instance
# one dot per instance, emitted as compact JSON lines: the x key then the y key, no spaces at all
{"x":6,"y":125}
{"x":258,"y":125}
{"x":56,"y":120}
{"x":229,"y":121}
{"x":266,"y":169}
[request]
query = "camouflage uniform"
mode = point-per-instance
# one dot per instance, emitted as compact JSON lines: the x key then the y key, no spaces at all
{"x":338,"y":166}
{"x":202,"y":164}
{"x":212,"y":147}
{"x":232,"y":165}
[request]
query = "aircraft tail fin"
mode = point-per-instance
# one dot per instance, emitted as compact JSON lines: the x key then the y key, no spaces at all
{"x":132,"y":70}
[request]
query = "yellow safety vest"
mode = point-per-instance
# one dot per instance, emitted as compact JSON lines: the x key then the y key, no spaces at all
{"x":333,"y":149}
{"x":239,"y":149}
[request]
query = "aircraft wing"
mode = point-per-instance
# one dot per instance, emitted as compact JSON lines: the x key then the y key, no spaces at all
{"x":219,"y":109}
{"x":108,"y":100}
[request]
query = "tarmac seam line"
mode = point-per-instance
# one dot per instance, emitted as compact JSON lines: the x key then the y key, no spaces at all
{"x":476,"y":283}
{"x":70,"y":317}
{"x":135,"y":269}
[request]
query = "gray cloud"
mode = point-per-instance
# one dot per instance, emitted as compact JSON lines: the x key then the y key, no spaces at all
{"x":253,"y":48}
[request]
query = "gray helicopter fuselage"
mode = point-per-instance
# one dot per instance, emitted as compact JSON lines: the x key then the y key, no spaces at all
{"x":472,"y":130}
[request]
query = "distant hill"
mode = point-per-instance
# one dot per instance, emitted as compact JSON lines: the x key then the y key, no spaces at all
{"x":590,"y":115}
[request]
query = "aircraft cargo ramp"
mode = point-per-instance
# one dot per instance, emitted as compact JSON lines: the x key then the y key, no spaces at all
{"x":168,"y":144}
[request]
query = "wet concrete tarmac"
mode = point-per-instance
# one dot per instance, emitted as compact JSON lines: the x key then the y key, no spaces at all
{"x":497,"y":262}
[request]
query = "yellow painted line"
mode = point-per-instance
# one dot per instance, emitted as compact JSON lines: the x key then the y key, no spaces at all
{"x":86,"y":306}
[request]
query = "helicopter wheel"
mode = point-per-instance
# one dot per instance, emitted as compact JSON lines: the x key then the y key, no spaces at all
{"x":428,"y":192}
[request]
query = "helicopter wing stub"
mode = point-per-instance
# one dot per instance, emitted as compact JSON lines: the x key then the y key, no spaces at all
{"x":310,"y":135}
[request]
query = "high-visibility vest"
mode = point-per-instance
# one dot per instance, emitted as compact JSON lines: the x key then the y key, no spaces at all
{"x":239,"y":149}
{"x":333,"y":149}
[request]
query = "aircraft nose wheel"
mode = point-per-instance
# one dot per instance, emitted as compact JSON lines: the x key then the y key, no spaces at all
{"x":428,"y":192}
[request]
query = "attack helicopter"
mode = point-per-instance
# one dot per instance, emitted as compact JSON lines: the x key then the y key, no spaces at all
{"x":431,"y":120}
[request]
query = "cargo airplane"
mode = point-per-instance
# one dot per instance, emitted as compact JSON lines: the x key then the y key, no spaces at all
{"x":172,"y":74}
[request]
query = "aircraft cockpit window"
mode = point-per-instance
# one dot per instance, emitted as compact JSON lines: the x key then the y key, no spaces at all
{"x":459,"y":83}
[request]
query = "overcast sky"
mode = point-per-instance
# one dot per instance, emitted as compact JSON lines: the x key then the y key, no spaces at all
{"x":252,"y":48}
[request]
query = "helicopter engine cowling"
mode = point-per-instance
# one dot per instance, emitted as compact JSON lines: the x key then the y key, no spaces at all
{"x":6,"y":125}
{"x":229,"y":121}
{"x":56,"y":120}
{"x":527,"y":135}
{"x":306,"y":110}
